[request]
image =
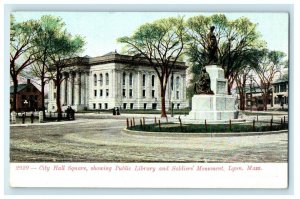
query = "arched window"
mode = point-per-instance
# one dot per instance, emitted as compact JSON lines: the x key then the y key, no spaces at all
{"x":130,"y":79}
{"x":153,"y":80}
{"x":144,"y":80}
{"x":106,"y":78}
{"x":177,"y":82}
{"x":101,"y":79}
{"x":124,"y":79}
{"x":95,"y":80}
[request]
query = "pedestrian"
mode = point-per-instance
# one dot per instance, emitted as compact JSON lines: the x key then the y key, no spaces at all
{"x":72,"y":114}
{"x":68,"y":113}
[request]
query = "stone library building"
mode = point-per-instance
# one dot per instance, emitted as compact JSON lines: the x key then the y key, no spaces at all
{"x":115,"y":80}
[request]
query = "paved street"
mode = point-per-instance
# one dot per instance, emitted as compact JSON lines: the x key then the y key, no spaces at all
{"x":101,"y":140}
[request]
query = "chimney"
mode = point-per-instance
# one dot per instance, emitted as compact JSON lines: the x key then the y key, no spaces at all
{"x":28,"y":81}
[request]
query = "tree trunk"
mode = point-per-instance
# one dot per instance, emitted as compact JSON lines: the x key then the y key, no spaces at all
{"x":266,"y":98}
{"x":15,"y":81}
{"x":43,"y":95}
{"x":163,"y":101}
{"x":242,"y":101}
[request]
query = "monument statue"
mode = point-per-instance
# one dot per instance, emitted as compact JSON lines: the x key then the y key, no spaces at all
{"x":203,"y":84}
{"x":212,"y":47}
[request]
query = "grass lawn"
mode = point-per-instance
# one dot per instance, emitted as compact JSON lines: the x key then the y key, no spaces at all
{"x":202,"y":128}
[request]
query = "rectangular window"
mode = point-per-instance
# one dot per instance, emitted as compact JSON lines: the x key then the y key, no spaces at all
{"x":100,"y":106}
{"x":107,"y":92}
{"x":124,"y":105}
{"x":124,"y":79}
{"x":177,"y":94}
{"x":144,"y":93}
{"x":95,"y":93}
{"x":106,"y":106}
{"x":178,"y":105}
{"x":153,"y":93}
{"x":101,"y":92}
{"x":145,"y":105}
{"x":54,"y":95}
{"x":154,"y":106}
{"x":153,"y":80}
{"x":144,"y":80}
{"x":131,"y":105}
{"x":94,"y":106}
{"x":130,"y":79}
{"x":124,"y":92}
{"x":130,"y":93}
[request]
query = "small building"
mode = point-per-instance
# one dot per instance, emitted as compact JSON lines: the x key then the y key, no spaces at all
{"x":253,"y":97}
{"x":280,"y":92}
{"x":28,"y":98}
{"x":115,"y":80}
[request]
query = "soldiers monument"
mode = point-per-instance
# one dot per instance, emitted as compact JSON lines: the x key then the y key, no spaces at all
{"x":211,"y":100}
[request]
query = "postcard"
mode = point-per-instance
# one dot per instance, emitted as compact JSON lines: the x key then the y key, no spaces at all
{"x":149,"y":99}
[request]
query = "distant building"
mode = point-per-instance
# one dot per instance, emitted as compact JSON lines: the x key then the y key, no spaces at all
{"x":253,"y":97}
{"x":29,"y":98}
{"x":280,"y":92}
{"x":115,"y":80}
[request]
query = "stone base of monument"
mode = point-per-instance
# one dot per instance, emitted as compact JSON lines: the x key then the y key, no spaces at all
{"x":213,"y":107}
{"x":219,"y":106}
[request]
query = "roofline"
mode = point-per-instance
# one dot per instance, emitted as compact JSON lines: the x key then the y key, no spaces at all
{"x":117,"y":58}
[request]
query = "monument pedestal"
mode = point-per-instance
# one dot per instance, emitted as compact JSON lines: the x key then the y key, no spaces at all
{"x":220,"y":105}
{"x":213,"y":107}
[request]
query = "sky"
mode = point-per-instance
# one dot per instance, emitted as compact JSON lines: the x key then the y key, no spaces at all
{"x":101,"y":29}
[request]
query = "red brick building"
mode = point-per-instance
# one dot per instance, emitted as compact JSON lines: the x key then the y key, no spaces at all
{"x":29,"y":98}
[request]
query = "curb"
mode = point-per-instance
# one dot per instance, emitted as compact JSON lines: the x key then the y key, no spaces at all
{"x":44,"y":123}
{"x":189,"y":134}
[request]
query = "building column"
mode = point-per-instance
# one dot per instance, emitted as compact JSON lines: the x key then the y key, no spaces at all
{"x":83,"y":89}
{"x":111,"y":83}
{"x":70,"y":89}
{"x":66,"y":89}
{"x":149,"y":86}
{"x":62,"y":90}
{"x":76,"y":88}
{"x":183,"y":88}
{"x":138,"y":89}
{"x":88,"y":89}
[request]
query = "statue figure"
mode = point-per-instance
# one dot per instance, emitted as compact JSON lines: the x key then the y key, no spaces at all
{"x":212,"y":47}
{"x":203,"y":84}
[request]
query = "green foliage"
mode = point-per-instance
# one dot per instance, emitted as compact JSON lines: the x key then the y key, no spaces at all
{"x":21,"y":36}
{"x":211,"y":128}
{"x":161,"y":43}
{"x":161,"y":40}
{"x":239,"y":42}
{"x":271,"y":64}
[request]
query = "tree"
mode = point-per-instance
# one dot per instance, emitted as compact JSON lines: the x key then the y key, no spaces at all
{"x":270,"y":65}
{"x":64,"y":50}
{"x":49,"y":28}
{"x":161,"y":44}
{"x":21,"y":54}
{"x":237,"y":40}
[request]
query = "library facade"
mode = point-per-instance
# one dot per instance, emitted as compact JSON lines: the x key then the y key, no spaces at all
{"x":115,"y":80}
